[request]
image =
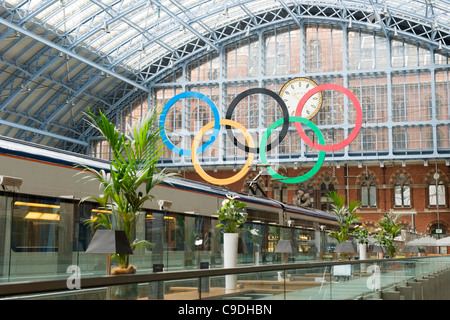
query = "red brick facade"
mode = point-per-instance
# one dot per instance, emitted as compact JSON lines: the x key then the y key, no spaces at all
{"x":417,"y":213}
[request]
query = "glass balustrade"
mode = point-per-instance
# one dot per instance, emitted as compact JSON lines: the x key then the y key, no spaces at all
{"x":337,"y":280}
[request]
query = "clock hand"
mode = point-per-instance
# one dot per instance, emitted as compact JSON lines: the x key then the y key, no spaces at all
{"x":297,"y":97}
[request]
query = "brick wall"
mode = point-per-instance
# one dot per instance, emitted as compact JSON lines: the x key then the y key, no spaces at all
{"x":348,"y":181}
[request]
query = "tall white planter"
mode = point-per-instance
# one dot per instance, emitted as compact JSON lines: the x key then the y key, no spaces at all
{"x":256,"y":254}
{"x":230,"y":250}
{"x":362,"y":251}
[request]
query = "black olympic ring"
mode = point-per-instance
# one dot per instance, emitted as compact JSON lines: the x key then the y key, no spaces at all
{"x":284,"y":128}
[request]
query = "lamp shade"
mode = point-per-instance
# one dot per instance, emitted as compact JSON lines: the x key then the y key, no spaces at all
{"x":109,"y":242}
{"x":379,"y":249}
{"x":285,"y":246}
{"x":410,"y":249}
{"x":345,"y":247}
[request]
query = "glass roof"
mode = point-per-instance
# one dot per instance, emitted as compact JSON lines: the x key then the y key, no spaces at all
{"x":135,"y":33}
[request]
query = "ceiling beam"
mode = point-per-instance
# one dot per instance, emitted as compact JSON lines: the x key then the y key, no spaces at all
{"x":70,"y":53}
{"x":43,"y":132}
{"x":186,"y":25}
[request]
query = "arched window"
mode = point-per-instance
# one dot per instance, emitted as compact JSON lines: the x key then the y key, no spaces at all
{"x":402,"y":191}
{"x":438,"y":230}
{"x":436,"y":190}
{"x":368,"y":192}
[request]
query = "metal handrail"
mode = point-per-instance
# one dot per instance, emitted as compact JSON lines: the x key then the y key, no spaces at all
{"x":28,"y":287}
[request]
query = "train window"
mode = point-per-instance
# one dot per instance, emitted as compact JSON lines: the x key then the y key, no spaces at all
{"x":35,"y":223}
{"x":85,"y":211}
{"x":178,"y":232}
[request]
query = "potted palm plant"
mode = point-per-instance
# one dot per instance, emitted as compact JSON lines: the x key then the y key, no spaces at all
{"x":132,"y":175}
{"x":389,"y":229}
{"x":346,"y":216}
{"x":231,"y":221}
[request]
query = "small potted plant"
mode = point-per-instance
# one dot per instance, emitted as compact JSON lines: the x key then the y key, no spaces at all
{"x":361,"y":235}
{"x":231,"y":221}
{"x":231,"y":217}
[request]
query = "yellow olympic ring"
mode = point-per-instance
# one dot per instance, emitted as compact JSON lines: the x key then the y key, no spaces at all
{"x":238,"y":175}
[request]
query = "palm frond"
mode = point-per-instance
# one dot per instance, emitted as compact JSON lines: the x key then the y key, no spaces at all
{"x":133,"y":165}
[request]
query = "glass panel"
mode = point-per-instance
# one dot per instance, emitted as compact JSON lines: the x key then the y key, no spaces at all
{"x":369,"y":140}
{"x":255,"y":52}
{"x":383,"y":139}
{"x":413,"y":138}
{"x":282,"y":51}
{"x":373,"y":195}
{"x":323,"y":48}
{"x":35,"y":224}
{"x":399,"y":139}
{"x":242,"y":59}
{"x":296,"y":58}
{"x":398,"y":196}
{"x":366,"y":50}
{"x":443,"y":138}
{"x":442,"y":79}
{"x":339,"y":281}
{"x":269,"y":40}
{"x":406,"y":196}
{"x":381,"y":52}
{"x":440,"y":195}
{"x":365,"y":195}
{"x":397,"y":53}
{"x":230,"y":61}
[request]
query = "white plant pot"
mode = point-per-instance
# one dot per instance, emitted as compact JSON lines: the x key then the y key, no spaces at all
{"x":256,"y":257}
{"x":230,"y":250}
{"x":362,"y":251}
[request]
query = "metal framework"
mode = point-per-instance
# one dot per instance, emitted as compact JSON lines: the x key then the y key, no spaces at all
{"x":60,"y":57}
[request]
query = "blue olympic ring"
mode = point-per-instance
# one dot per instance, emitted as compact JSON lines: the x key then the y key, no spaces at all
{"x":162,"y":120}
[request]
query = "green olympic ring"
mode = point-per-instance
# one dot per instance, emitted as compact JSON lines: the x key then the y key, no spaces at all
{"x":314,"y":169}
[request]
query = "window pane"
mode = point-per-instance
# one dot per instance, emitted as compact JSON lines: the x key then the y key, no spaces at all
{"x":373,"y":196}
{"x":365,"y":195}
{"x":36,"y":224}
{"x":440,"y":194}
{"x":432,"y":192}
{"x":398,"y":196}
{"x":406,"y":196}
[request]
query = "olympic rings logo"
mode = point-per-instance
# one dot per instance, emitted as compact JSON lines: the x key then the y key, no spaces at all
{"x":250,"y":147}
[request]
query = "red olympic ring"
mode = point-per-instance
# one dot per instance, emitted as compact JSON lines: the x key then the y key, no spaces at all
{"x":351,"y":136}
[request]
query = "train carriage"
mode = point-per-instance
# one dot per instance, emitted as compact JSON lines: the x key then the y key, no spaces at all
{"x":43,"y":223}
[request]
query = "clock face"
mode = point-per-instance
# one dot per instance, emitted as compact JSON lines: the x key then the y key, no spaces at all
{"x":294,"y":90}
